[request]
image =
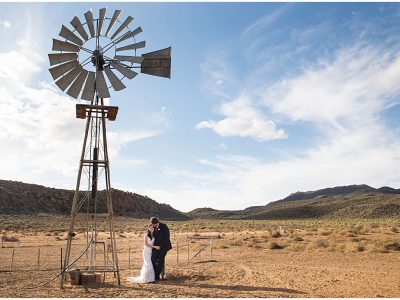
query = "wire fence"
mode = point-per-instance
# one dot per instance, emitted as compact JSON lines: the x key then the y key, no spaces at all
{"x":26,"y":257}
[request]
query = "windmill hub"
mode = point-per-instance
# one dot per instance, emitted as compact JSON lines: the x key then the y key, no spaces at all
{"x":98,"y":60}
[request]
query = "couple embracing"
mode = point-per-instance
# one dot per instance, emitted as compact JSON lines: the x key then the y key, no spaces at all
{"x":156,"y":244}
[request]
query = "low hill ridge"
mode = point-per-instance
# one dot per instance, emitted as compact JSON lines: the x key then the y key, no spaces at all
{"x":23,"y":198}
{"x":335,"y":191}
{"x":352,"y":201}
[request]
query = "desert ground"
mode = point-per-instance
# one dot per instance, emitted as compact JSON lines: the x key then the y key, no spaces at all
{"x":295,"y":258}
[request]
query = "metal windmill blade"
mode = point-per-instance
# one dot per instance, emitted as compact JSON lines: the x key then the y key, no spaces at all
{"x":102,"y":16}
{"x":58,"y":58}
{"x":132,"y":46}
{"x":123,"y":70}
{"x":76,"y":23}
{"x":89,"y":22}
{"x":128,"y":35}
{"x":113,"y":20}
{"x":122,"y":27}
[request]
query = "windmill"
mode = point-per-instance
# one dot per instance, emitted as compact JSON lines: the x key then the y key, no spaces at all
{"x":90,"y":60}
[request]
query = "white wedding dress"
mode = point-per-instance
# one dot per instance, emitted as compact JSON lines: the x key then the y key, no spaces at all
{"x":147,"y":271}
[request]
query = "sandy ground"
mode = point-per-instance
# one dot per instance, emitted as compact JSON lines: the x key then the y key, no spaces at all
{"x":235,"y":270}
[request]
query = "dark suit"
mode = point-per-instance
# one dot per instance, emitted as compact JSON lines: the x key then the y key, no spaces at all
{"x":161,"y":238}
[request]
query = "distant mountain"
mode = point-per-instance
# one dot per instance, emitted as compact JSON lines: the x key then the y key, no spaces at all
{"x":209,"y":213}
{"x":22,"y":198}
{"x":353,"y":201}
{"x":335,"y":191}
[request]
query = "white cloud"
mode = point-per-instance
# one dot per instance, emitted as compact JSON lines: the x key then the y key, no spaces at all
{"x":262,"y":23}
{"x":217,"y":75}
{"x":6,"y":24}
{"x":244,"y":120}
{"x":357,"y":84}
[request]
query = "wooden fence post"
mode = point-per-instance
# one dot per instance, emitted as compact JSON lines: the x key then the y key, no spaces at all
{"x":177,"y":253}
{"x":129,"y":257}
{"x":188,"y":250}
{"x":38,"y":260}
{"x":12,"y":261}
{"x":61,"y":261}
{"x":211,"y":244}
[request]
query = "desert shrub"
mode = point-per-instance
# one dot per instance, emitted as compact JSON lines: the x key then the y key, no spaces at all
{"x":320,"y":243}
{"x":392,"y":246}
{"x":7,"y":238}
{"x":298,"y":239}
{"x":276,"y":234}
{"x":275,"y":246}
{"x":326,"y":232}
{"x":237,"y":243}
{"x":360,"y":248}
{"x":356,"y":229}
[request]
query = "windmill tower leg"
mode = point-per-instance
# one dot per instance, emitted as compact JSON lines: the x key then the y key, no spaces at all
{"x":109,"y":199}
{"x":74,"y":206}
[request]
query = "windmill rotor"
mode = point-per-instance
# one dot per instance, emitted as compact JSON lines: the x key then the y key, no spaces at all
{"x":93,"y":56}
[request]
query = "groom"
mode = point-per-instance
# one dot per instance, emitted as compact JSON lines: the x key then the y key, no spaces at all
{"x":162,"y":245}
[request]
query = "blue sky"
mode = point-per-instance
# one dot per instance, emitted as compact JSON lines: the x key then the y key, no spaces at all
{"x":265,"y":99}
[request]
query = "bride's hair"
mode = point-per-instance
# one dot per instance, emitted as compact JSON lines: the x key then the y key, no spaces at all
{"x":149,"y":233}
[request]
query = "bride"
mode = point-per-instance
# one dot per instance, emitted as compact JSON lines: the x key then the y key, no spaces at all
{"x":147,"y":272}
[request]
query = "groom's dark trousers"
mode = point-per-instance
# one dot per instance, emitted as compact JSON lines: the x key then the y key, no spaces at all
{"x":158,"y":256}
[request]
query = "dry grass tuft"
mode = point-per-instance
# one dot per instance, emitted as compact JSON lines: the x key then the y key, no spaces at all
{"x":7,"y":238}
{"x":320,"y":243}
{"x":392,"y":246}
{"x":275,"y":246}
{"x":276,"y":234}
{"x":360,"y":248}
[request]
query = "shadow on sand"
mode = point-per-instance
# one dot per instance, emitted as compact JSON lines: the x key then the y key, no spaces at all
{"x":238,"y":288}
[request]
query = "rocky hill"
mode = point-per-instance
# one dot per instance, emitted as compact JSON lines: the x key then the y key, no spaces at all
{"x":23,"y":198}
{"x":354,"y":201}
{"x":339,"y":191}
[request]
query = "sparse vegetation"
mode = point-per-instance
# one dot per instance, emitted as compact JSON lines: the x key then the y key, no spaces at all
{"x":276,"y":234}
{"x":360,"y":248}
{"x":275,"y":246}
{"x":7,"y":238}
{"x":320,"y":244}
{"x":392,"y":246}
